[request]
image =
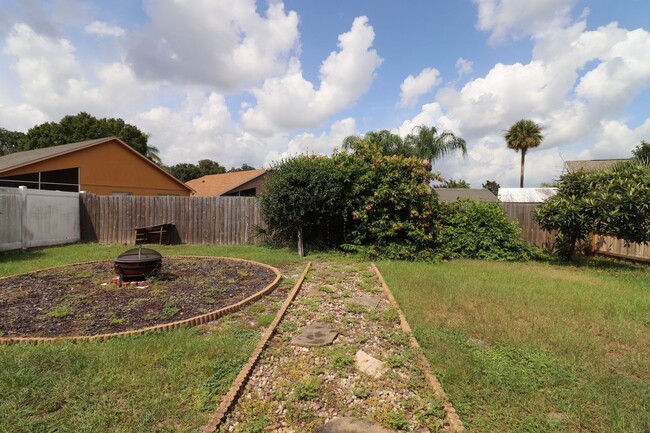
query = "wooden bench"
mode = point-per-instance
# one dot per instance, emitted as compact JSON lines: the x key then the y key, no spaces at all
{"x":158,"y":234}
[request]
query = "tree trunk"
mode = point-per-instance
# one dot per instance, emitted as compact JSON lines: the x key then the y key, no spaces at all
{"x":523,"y":159}
{"x":301,"y":251}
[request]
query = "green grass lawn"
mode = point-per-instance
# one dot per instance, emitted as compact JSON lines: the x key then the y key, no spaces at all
{"x":534,"y":347}
{"x":17,"y":262}
{"x":159,"y":382}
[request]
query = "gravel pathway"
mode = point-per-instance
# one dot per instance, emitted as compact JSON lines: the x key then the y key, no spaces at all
{"x":298,"y":389}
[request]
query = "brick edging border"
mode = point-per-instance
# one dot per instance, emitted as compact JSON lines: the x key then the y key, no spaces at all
{"x":245,"y":373}
{"x":453,"y":420}
{"x":192,"y":321}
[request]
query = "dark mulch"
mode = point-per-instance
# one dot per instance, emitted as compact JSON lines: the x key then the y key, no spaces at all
{"x":81,"y":300}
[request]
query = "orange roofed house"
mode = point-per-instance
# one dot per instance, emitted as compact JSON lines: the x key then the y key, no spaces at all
{"x":237,"y":183}
{"x":105,"y":166}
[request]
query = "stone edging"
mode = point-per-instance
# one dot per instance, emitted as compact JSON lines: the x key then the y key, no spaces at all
{"x":192,"y":321}
{"x":245,"y":373}
{"x":455,"y":424}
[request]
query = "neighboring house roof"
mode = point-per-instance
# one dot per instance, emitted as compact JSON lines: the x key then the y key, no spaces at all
{"x":526,"y":195}
{"x":592,"y":165}
{"x":453,"y":194}
{"x":219,"y":184}
{"x":21,"y":159}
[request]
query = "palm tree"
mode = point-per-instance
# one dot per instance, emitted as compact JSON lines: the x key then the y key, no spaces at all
{"x":521,"y":136}
{"x":383,"y":140}
{"x":430,"y":145}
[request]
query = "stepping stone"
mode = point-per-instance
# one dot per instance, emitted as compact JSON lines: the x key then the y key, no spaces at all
{"x":351,"y":425}
{"x":315,"y":334}
{"x":369,"y":301}
{"x":369,"y":365}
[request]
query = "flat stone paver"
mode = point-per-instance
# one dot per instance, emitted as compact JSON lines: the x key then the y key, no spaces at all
{"x":316,"y":334}
{"x":351,"y":425}
{"x":369,"y":365}
{"x":369,"y":301}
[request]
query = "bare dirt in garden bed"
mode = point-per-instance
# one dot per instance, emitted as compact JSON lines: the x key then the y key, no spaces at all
{"x":82,"y":300}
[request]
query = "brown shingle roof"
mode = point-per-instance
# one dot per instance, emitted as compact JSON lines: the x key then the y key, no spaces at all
{"x":592,"y":165}
{"x":219,"y":184}
{"x":27,"y":157}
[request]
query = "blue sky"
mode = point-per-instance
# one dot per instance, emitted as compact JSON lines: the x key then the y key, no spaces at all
{"x":255,"y":82}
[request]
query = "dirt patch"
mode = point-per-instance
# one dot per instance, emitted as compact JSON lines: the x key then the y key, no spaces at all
{"x":81,"y":300}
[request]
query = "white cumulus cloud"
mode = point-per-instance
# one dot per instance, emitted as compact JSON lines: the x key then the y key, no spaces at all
{"x":414,"y":87}
{"x":516,"y":19}
{"x":290,"y":101}
{"x":219,"y":43}
{"x":577,"y":86}
{"x":104,"y":29}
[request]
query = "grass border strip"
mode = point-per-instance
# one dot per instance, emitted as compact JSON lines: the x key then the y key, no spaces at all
{"x":453,"y":420}
{"x":231,"y":397}
{"x":192,"y":321}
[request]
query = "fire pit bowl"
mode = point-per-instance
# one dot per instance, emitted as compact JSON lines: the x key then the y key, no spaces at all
{"x":137,"y":264}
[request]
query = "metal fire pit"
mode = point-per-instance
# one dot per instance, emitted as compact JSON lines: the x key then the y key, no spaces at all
{"x":137,"y":264}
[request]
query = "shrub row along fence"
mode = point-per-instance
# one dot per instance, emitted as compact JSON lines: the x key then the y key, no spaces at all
{"x":604,"y":245}
{"x":36,"y":218}
{"x":197,"y":220}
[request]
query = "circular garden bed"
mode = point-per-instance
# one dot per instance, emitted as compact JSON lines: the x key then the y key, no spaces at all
{"x":83,"y":299}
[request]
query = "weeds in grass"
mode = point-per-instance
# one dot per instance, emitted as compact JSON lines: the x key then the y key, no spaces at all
{"x":360,"y":389}
{"x":555,"y":339}
{"x":265,"y":319}
{"x":353,"y":308}
{"x":307,"y":388}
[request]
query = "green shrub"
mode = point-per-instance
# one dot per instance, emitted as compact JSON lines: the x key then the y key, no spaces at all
{"x":480,"y":230}
{"x":615,"y":202}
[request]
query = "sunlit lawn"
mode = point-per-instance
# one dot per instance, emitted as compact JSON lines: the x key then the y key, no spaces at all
{"x":162,"y":382}
{"x":534,"y":347}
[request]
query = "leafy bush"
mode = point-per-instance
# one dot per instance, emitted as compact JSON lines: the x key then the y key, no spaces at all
{"x":480,"y":230}
{"x":615,"y":202}
{"x":395,"y":214}
{"x":375,"y":204}
{"x":305,"y":193}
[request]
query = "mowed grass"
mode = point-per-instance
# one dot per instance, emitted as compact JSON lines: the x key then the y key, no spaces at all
{"x":18,"y":262}
{"x":164,"y":382}
{"x":534,"y":347}
{"x":159,"y":382}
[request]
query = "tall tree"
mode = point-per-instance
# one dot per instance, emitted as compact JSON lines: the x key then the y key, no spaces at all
{"x":523,"y":135}
{"x":185,"y":171}
{"x":453,"y":183}
{"x":492,"y":186}
{"x":9,"y":141}
{"x":244,"y":167}
{"x":642,"y":152}
{"x":382,"y":140}
{"x":424,"y":142}
{"x":83,"y":126}
{"x":430,"y":145}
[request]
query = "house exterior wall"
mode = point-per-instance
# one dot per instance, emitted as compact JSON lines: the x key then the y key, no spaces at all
{"x":109,"y":168}
{"x":256,"y":183}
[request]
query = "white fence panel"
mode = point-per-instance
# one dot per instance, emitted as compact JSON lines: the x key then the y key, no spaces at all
{"x":11,"y":216}
{"x":38,"y":218}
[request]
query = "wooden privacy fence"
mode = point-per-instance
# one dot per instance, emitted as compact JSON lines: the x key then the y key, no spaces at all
{"x":614,"y":247}
{"x":601,"y":244}
{"x":522,"y":213}
{"x":198,"y":220}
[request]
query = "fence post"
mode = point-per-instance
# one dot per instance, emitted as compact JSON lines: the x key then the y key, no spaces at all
{"x":23,"y":217}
